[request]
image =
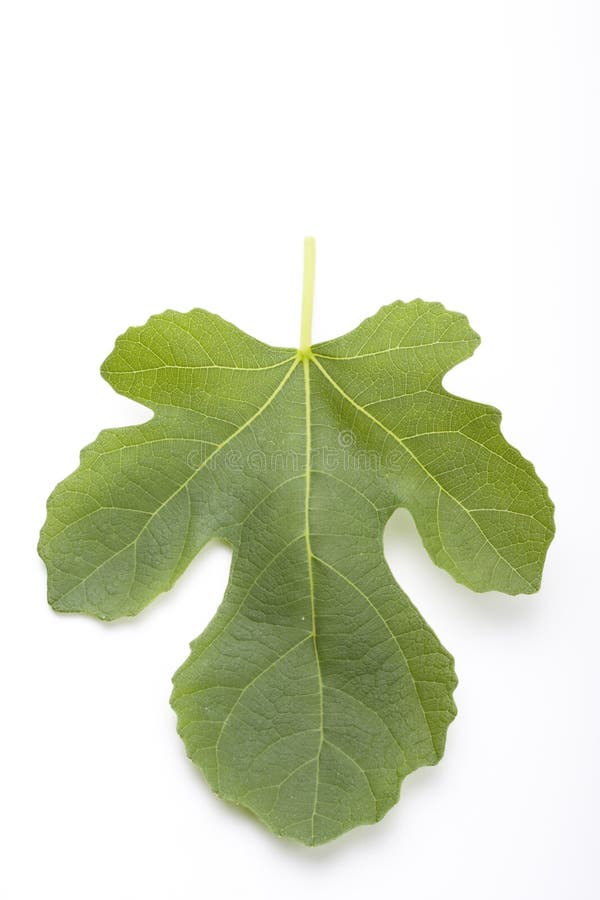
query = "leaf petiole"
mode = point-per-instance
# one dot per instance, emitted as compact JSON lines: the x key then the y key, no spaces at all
{"x":308,"y":291}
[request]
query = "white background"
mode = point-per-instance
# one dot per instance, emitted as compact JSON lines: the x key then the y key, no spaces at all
{"x":162,"y":154}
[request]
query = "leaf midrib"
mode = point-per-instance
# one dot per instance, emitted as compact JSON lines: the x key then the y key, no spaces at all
{"x":311,"y":584}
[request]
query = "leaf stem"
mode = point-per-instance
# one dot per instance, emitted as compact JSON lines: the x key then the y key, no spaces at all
{"x":308,"y":292}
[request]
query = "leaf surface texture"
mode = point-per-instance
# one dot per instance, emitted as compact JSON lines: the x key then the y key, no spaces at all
{"x":317,"y":687}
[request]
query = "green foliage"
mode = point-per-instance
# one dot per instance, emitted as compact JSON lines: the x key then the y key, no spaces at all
{"x":317,"y":687}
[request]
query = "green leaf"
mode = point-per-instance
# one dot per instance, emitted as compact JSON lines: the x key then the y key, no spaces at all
{"x":317,"y":687}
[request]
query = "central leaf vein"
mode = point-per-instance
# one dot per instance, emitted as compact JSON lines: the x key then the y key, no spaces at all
{"x":311,"y":584}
